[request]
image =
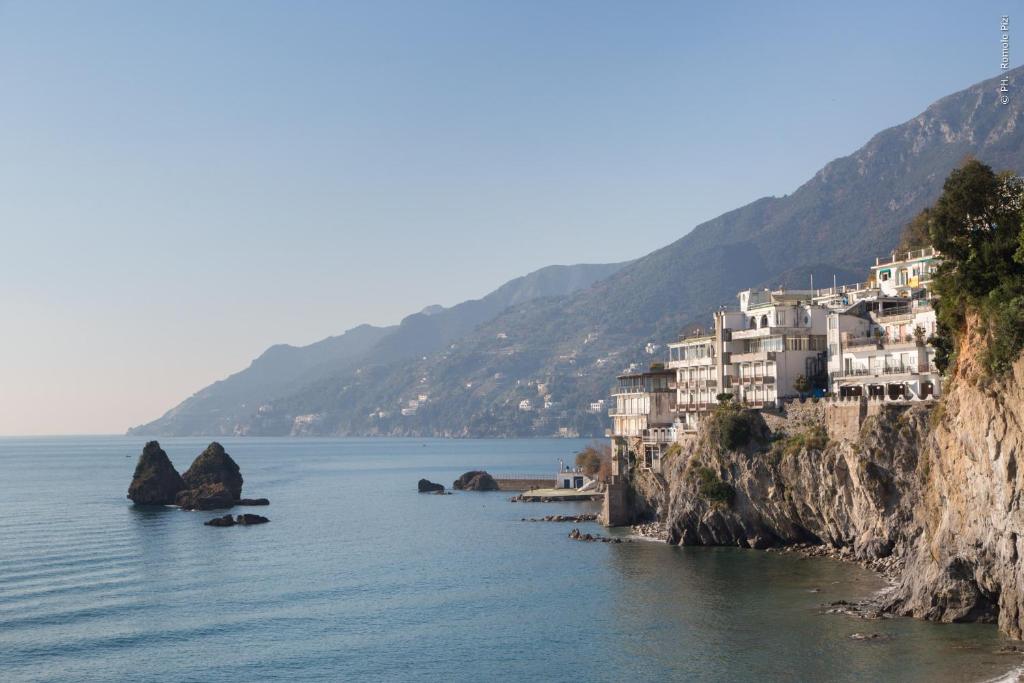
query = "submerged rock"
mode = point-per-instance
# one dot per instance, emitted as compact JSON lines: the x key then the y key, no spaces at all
{"x":155,"y":481}
{"x":427,"y":486}
{"x":251,"y":519}
{"x":226,"y":520}
{"x":242,"y":520}
{"x":205,"y":497}
{"x":215,"y":466}
{"x":475,"y":481}
{"x":578,"y":535}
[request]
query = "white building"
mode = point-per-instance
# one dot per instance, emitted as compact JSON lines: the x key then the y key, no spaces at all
{"x":867,"y":340}
{"x":883,"y":352}
{"x":644,"y":411}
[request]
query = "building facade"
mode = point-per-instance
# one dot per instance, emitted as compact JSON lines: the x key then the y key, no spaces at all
{"x":865,"y":341}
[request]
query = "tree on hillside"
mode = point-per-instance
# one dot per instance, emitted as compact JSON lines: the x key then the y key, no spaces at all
{"x":915,"y":234}
{"x":591,"y":459}
{"x":977,"y":225}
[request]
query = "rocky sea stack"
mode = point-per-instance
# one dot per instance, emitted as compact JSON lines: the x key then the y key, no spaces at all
{"x":155,"y":481}
{"x":213,"y":482}
{"x":475,"y":481}
{"x":215,"y":466}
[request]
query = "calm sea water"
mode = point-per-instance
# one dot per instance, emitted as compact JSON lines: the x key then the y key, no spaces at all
{"x":358,"y":577}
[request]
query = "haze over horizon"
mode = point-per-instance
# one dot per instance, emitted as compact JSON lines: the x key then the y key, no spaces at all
{"x":186,"y":186}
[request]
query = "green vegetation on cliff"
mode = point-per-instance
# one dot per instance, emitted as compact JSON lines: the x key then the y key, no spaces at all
{"x":977,"y":225}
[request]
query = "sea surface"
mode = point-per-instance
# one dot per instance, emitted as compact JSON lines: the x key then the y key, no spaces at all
{"x":359,"y":578}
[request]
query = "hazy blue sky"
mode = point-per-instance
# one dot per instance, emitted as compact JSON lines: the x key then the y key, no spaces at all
{"x":184,"y":184}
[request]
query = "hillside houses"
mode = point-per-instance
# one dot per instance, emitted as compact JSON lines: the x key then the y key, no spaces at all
{"x":867,"y":341}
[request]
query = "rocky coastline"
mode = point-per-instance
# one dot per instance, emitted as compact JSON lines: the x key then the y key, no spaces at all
{"x":927,"y":496}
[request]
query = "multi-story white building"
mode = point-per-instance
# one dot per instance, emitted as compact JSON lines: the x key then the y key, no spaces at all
{"x":699,"y":376}
{"x":644,"y":412}
{"x":882,"y":350}
{"x":906,"y":274}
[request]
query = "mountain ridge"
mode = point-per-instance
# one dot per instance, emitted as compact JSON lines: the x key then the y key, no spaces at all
{"x":562,"y":353}
{"x":284,"y":368}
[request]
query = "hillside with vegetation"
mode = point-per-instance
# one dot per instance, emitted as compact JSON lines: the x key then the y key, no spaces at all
{"x":283,"y":369}
{"x":562,"y":353}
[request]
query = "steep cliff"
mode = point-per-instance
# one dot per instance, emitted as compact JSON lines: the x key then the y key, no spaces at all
{"x":966,"y":563}
{"x":776,"y":490}
{"x":936,"y":490}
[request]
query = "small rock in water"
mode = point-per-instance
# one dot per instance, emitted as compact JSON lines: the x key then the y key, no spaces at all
{"x":868,"y":636}
{"x":251,"y":519}
{"x":475,"y":481}
{"x":253,"y":501}
{"x":427,"y":486}
{"x":226,"y":520}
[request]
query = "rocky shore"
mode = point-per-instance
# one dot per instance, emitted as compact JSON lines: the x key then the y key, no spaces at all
{"x":655,"y":531}
{"x":889,"y":568}
{"x":576,"y":519}
{"x":577,"y":535}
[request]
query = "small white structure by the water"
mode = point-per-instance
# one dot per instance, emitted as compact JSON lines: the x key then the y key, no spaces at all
{"x":572,"y":478}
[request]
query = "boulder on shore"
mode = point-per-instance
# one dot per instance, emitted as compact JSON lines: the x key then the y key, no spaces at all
{"x":205,"y":497}
{"x":215,"y":466}
{"x":475,"y":481}
{"x":427,"y":486}
{"x":155,"y":481}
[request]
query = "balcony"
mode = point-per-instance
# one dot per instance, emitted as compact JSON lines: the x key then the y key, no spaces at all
{"x":663,"y":435}
{"x":895,"y":313}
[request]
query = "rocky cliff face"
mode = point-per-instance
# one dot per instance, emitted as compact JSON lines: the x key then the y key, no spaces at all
{"x":966,"y":563}
{"x":858,"y":495}
{"x":936,"y":490}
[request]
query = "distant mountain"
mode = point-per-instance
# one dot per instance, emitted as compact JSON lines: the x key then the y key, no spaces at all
{"x":282,"y":369}
{"x":564,"y":351}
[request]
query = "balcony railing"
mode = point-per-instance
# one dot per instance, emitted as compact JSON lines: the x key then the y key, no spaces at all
{"x":862,"y":342}
{"x":907,"y":256}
